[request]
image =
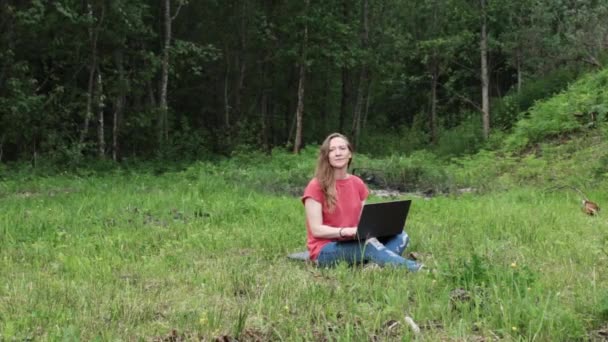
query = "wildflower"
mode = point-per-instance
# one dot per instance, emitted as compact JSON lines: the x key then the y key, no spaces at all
{"x":514,"y":328}
{"x":513,"y":264}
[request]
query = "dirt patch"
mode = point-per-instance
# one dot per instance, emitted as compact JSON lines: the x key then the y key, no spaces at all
{"x":28,"y":193}
{"x":600,"y":334}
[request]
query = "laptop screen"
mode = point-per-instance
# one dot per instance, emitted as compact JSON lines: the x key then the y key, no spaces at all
{"x":383,"y":219}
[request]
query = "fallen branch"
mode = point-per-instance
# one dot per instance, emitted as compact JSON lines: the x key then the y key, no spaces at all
{"x":415,"y":328}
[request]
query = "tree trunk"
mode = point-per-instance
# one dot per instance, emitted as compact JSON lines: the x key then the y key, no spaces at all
{"x":35,"y":155}
{"x":264,"y":121}
{"x":485,"y":78}
{"x":227,"y":131}
{"x":93,"y":37}
{"x":345,"y":98}
{"x":226,"y":97}
{"x":356,"y":128}
{"x":433,"y":116}
{"x":325,"y":107}
{"x":300,"y":109}
{"x":240,"y":64}
{"x":367,"y":101}
{"x":519,"y":71}
{"x":89,"y":106}
{"x":163,"y":131}
{"x":290,"y":112}
{"x":119,"y":104}
{"x":9,"y":38}
{"x":264,"y":104}
{"x":101,"y":140}
{"x":151,"y":95}
{"x":346,"y":74}
{"x":1,"y":147}
{"x":356,"y":124}
{"x":116,"y":122}
{"x":302,"y":75}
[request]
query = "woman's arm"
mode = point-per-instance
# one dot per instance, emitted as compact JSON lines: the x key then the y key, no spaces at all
{"x":314,"y":215}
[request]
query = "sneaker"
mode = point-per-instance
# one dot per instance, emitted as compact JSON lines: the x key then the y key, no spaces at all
{"x":413,"y":266}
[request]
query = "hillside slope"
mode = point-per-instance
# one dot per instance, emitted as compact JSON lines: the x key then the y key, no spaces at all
{"x":558,"y":141}
{"x":582,"y":107}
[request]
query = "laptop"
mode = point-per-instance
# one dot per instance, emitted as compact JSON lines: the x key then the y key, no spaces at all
{"x":382,"y":219}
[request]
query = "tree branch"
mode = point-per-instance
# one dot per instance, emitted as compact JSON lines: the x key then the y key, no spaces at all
{"x":179,"y":7}
{"x":462,"y":97}
{"x":592,"y":60}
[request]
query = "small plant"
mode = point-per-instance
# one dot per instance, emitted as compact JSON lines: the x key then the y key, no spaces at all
{"x":602,"y":308}
{"x":470,"y":273}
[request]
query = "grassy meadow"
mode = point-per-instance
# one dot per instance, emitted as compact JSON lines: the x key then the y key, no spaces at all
{"x":200,"y":254}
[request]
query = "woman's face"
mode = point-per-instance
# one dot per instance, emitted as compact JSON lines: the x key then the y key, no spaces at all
{"x":339,"y":153}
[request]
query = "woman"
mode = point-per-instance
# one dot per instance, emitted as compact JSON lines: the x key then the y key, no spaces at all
{"x":333,"y":201}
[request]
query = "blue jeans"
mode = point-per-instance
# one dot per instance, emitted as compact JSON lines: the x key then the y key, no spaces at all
{"x":385,"y":251}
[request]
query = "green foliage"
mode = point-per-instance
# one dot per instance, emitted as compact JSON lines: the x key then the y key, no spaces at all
{"x":479,"y":272}
{"x":403,"y":142}
{"x":508,"y":109}
{"x":559,"y":115}
{"x":480,"y":170}
{"x":21,"y":109}
{"x":603,"y":307}
{"x":279,"y":173}
{"x":233,"y":65}
{"x":185,"y":145}
{"x":419,"y":171}
{"x":471,"y":273}
{"x":465,"y":138}
{"x":190,"y":57}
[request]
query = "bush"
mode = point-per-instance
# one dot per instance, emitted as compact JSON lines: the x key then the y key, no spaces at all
{"x":186,"y":144}
{"x":404,"y":140}
{"x":560,"y":114}
{"x":465,"y":138}
{"x":420,"y":171}
{"x":481,"y":170}
{"x":279,"y":173}
{"x":506,"y":111}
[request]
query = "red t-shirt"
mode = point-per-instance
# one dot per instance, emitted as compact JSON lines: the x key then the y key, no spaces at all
{"x":350,"y":193}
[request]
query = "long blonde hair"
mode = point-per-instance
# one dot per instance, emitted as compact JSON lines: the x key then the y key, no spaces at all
{"x":325,"y":172}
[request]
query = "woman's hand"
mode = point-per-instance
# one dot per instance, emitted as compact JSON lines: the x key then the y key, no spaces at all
{"x":314,"y":217}
{"x":348,"y":232}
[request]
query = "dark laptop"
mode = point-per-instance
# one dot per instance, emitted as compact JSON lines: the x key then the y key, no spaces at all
{"x":383,"y":219}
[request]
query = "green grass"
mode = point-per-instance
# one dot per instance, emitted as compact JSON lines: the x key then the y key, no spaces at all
{"x":130,"y":256}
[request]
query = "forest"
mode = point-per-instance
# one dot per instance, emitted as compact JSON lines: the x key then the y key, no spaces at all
{"x":178,"y":79}
{"x":153,"y":156}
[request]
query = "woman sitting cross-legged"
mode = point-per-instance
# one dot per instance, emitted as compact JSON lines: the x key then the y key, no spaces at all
{"x":333,"y":201}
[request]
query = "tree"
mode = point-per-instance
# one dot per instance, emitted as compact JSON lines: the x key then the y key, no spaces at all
{"x":301,"y":79}
{"x":119,"y":103}
{"x":346,"y":85}
{"x":363,"y":74}
{"x":95,"y":26}
{"x":586,"y":30}
{"x":485,"y":77}
{"x":438,"y":49}
{"x":163,"y":125}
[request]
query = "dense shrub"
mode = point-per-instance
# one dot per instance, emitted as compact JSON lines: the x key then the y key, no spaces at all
{"x":565,"y":113}
{"x":420,"y":171}
{"x":280,"y":172}
{"x":403,"y":140}
{"x":506,"y":111}
{"x":463,"y":139}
